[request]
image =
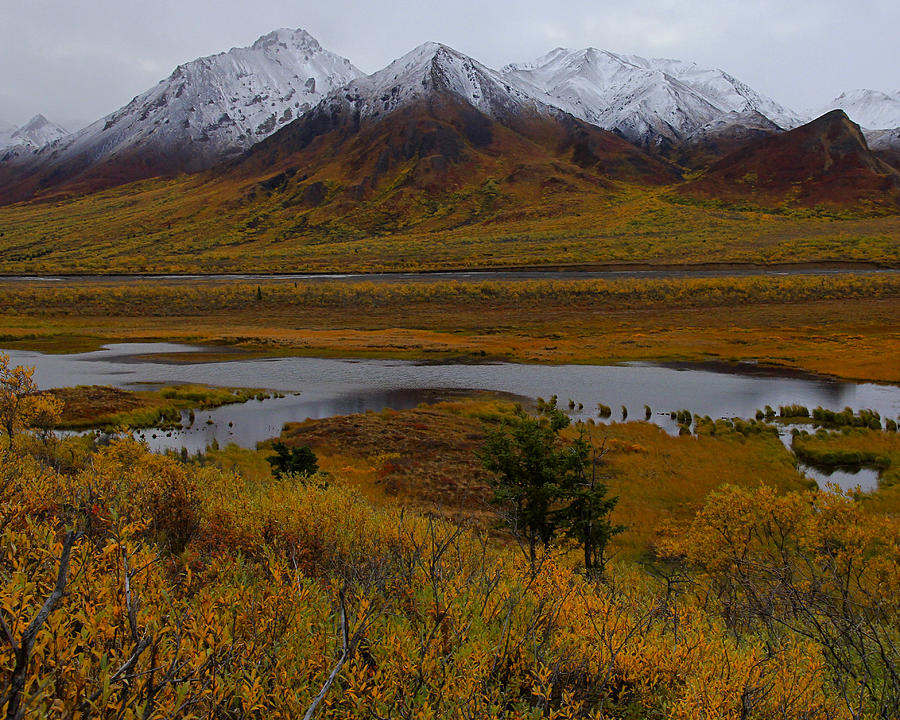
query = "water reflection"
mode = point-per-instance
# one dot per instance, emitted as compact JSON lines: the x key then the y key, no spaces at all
{"x":865,"y":479}
{"x":336,"y":387}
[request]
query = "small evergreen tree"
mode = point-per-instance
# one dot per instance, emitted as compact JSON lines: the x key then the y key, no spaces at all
{"x":547,"y":484}
{"x":293,"y":461}
{"x":585,"y":513}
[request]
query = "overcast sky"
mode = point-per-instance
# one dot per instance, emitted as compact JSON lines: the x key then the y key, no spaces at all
{"x":77,"y":60}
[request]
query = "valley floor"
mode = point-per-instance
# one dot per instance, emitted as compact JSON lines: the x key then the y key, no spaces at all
{"x":845,"y":326}
{"x":246,"y":583}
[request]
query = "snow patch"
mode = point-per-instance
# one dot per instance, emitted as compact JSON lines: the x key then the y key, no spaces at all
{"x":646,"y":100}
{"x":216,"y":106}
{"x":871,"y":109}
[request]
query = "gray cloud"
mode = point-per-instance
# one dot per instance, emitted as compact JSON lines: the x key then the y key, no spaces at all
{"x":75,"y":62}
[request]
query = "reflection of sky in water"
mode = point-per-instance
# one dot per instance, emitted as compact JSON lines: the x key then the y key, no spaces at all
{"x":865,"y":478}
{"x":335,"y":387}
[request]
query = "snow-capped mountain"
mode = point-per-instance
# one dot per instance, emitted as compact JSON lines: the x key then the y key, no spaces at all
{"x":434,"y":67}
{"x":870,"y":109}
{"x":649,"y":102}
{"x":205,"y":111}
{"x":749,"y":123}
{"x":34,"y":134}
{"x":226,"y":102}
{"x":435,"y":121}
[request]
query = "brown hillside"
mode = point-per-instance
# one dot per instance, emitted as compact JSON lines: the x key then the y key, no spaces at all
{"x":435,"y":164}
{"x":826,"y":161}
{"x":44,"y":177}
{"x":713,"y":142}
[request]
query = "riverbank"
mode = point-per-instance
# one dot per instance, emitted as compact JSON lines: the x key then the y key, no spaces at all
{"x":570,"y":271}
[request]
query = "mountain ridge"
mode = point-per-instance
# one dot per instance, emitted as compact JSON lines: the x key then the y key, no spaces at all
{"x":205,"y":111}
{"x":651,"y":102}
{"x":434,"y":125}
{"x":826,"y":161}
{"x":33,"y":135}
{"x":871,"y":109}
{"x":223,"y":111}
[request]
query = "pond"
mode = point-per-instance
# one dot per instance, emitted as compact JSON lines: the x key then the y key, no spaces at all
{"x":318,"y":387}
{"x":864,"y":478}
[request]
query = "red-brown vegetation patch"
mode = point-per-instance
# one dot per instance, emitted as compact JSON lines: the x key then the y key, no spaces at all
{"x":826,"y":162}
{"x":425,"y":456}
{"x":85,"y":403}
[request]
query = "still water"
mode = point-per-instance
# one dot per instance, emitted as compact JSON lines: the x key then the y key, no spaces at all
{"x":316,"y":388}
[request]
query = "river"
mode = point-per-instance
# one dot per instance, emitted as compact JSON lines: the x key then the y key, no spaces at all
{"x":317,"y":387}
{"x":599,"y":272}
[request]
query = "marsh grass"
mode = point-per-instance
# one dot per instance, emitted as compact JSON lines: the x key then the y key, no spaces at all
{"x":845,"y":325}
{"x":853,"y":448}
{"x":97,"y":406}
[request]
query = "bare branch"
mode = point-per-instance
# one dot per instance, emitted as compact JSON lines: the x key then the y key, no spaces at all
{"x":15,"y":710}
{"x":349,"y":644}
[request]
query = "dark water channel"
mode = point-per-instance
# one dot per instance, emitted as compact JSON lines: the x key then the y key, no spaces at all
{"x":316,"y":388}
{"x":610,"y":272}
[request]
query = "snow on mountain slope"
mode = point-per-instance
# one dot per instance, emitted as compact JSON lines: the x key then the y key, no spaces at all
{"x":648,"y":101}
{"x":751,"y":122}
{"x":885,"y":144}
{"x":211,"y":108}
{"x":871,"y":109}
{"x":34,"y":134}
{"x":888,"y":139}
{"x":434,"y":67}
{"x":38,"y":132}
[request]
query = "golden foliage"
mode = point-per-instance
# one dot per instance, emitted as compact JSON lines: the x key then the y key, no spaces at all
{"x":806,"y":565}
{"x":21,"y":404}
{"x":137,"y":585}
{"x":240,"y":617}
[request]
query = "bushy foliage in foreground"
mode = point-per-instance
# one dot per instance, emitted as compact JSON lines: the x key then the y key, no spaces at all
{"x":806,"y":565}
{"x":194,"y":592}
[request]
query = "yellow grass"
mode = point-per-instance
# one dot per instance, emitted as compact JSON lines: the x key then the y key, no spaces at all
{"x":187,"y":225}
{"x":847,"y":326}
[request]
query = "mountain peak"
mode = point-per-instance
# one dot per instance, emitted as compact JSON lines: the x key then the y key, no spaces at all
{"x":872,"y":109}
{"x":419,"y":58}
{"x":832,"y":116}
{"x":36,"y":123}
{"x":433,"y":69}
{"x":207,"y":110}
{"x":34,"y":134}
{"x":825,"y":161}
{"x":648,"y":101}
{"x":287,"y":38}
